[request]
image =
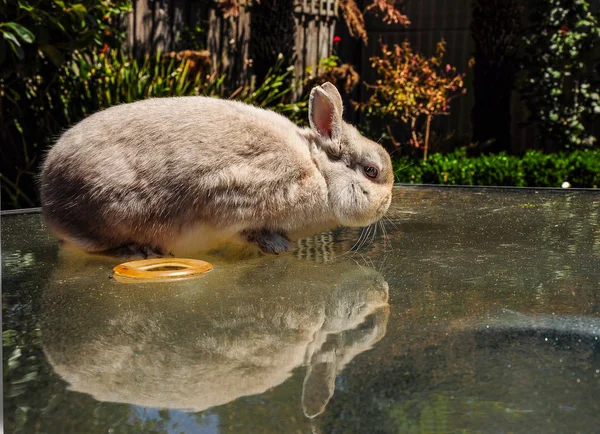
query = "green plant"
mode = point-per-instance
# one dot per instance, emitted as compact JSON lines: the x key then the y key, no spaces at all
{"x":412,"y":88}
{"x":93,"y":81}
{"x":556,"y":68}
{"x":274,"y":93}
{"x":580,"y":168}
{"x":35,"y":30}
{"x":331,"y":69}
{"x":14,"y":35}
{"x":38,"y":36}
{"x":328,"y":63}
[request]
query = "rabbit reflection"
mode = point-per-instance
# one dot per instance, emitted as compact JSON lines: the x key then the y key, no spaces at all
{"x":239,"y":331}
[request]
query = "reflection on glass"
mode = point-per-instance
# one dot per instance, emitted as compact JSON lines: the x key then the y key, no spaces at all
{"x":239,"y":331}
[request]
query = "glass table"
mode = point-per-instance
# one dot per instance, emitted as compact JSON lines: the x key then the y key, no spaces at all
{"x":466,"y":309}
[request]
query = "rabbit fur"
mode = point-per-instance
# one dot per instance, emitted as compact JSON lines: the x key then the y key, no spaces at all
{"x":188,"y":174}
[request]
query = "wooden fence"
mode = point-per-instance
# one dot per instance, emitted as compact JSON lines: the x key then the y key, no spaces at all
{"x":315,"y":29}
{"x":159,"y":25}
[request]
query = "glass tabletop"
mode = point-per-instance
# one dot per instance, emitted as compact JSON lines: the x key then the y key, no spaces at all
{"x":464,"y":309}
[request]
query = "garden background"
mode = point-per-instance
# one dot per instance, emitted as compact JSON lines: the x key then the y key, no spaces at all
{"x":469,"y":92}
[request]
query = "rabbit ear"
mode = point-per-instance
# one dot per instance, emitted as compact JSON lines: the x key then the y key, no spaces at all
{"x":334,"y":95}
{"x":318,"y":387}
{"x":325,"y":111}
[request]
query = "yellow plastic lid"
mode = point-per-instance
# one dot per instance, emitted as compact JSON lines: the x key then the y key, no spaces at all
{"x":162,"y":268}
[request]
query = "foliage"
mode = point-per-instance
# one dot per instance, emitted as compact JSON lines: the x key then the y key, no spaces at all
{"x":411,"y":87}
{"x":496,"y":30}
{"x":35,"y":30}
{"x":37,"y":37}
{"x":331,"y":69}
{"x":275,"y":93}
{"x":580,"y":168}
{"x":98,"y":80}
{"x":231,"y":8}
{"x":554,"y":83}
{"x":387,"y":10}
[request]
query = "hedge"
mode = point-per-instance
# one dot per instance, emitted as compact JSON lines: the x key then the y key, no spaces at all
{"x":579,"y":168}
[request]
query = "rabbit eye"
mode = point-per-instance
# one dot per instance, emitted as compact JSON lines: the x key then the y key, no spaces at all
{"x":371,"y":171}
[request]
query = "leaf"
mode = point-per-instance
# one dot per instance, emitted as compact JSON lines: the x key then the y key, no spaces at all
{"x":79,"y":9}
{"x":13,"y":361}
{"x":25,"y":6}
{"x":14,"y":44}
{"x":53,"y":53}
{"x":20,"y":31}
{"x":57,"y":23}
{"x":30,"y":376}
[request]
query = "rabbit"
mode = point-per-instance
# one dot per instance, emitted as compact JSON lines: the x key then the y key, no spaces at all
{"x":182,"y":175}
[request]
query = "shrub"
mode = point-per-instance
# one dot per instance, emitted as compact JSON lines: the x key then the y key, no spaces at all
{"x":580,"y":168}
{"x":93,"y":81}
{"x":412,"y":88}
{"x":331,"y":69}
{"x":37,"y":38}
{"x":557,"y":65}
{"x":100,"y":80}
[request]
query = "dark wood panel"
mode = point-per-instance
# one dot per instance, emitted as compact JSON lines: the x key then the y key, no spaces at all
{"x":158,"y":25}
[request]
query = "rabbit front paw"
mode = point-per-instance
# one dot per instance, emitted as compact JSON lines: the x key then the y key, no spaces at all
{"x":268,"y":241}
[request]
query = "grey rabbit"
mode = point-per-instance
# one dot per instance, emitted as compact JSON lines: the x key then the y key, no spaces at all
{"x":188,"y":174}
